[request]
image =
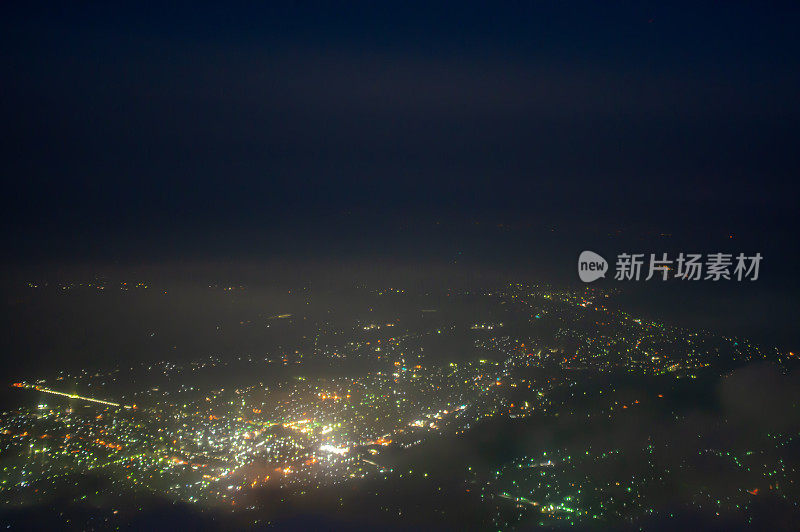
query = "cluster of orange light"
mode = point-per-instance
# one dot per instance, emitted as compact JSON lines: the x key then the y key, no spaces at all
{"x":324,"y":397}
{"x":256,"y":482}
{"x":110,"y":445}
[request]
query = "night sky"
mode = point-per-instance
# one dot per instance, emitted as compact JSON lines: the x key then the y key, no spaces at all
{"x":510,"y":136}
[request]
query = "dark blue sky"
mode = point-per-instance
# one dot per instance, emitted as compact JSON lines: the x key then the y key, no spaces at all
{"x":247,"y":130}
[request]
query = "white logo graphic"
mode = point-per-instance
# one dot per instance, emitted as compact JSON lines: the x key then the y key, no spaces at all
{"x":591,"y":266}
{"x":687,"y":266}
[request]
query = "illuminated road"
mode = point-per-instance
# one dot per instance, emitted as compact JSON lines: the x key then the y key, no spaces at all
{"x":63,"y":394}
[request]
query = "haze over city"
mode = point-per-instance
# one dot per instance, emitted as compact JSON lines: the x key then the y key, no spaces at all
{"x":316,"y":266}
